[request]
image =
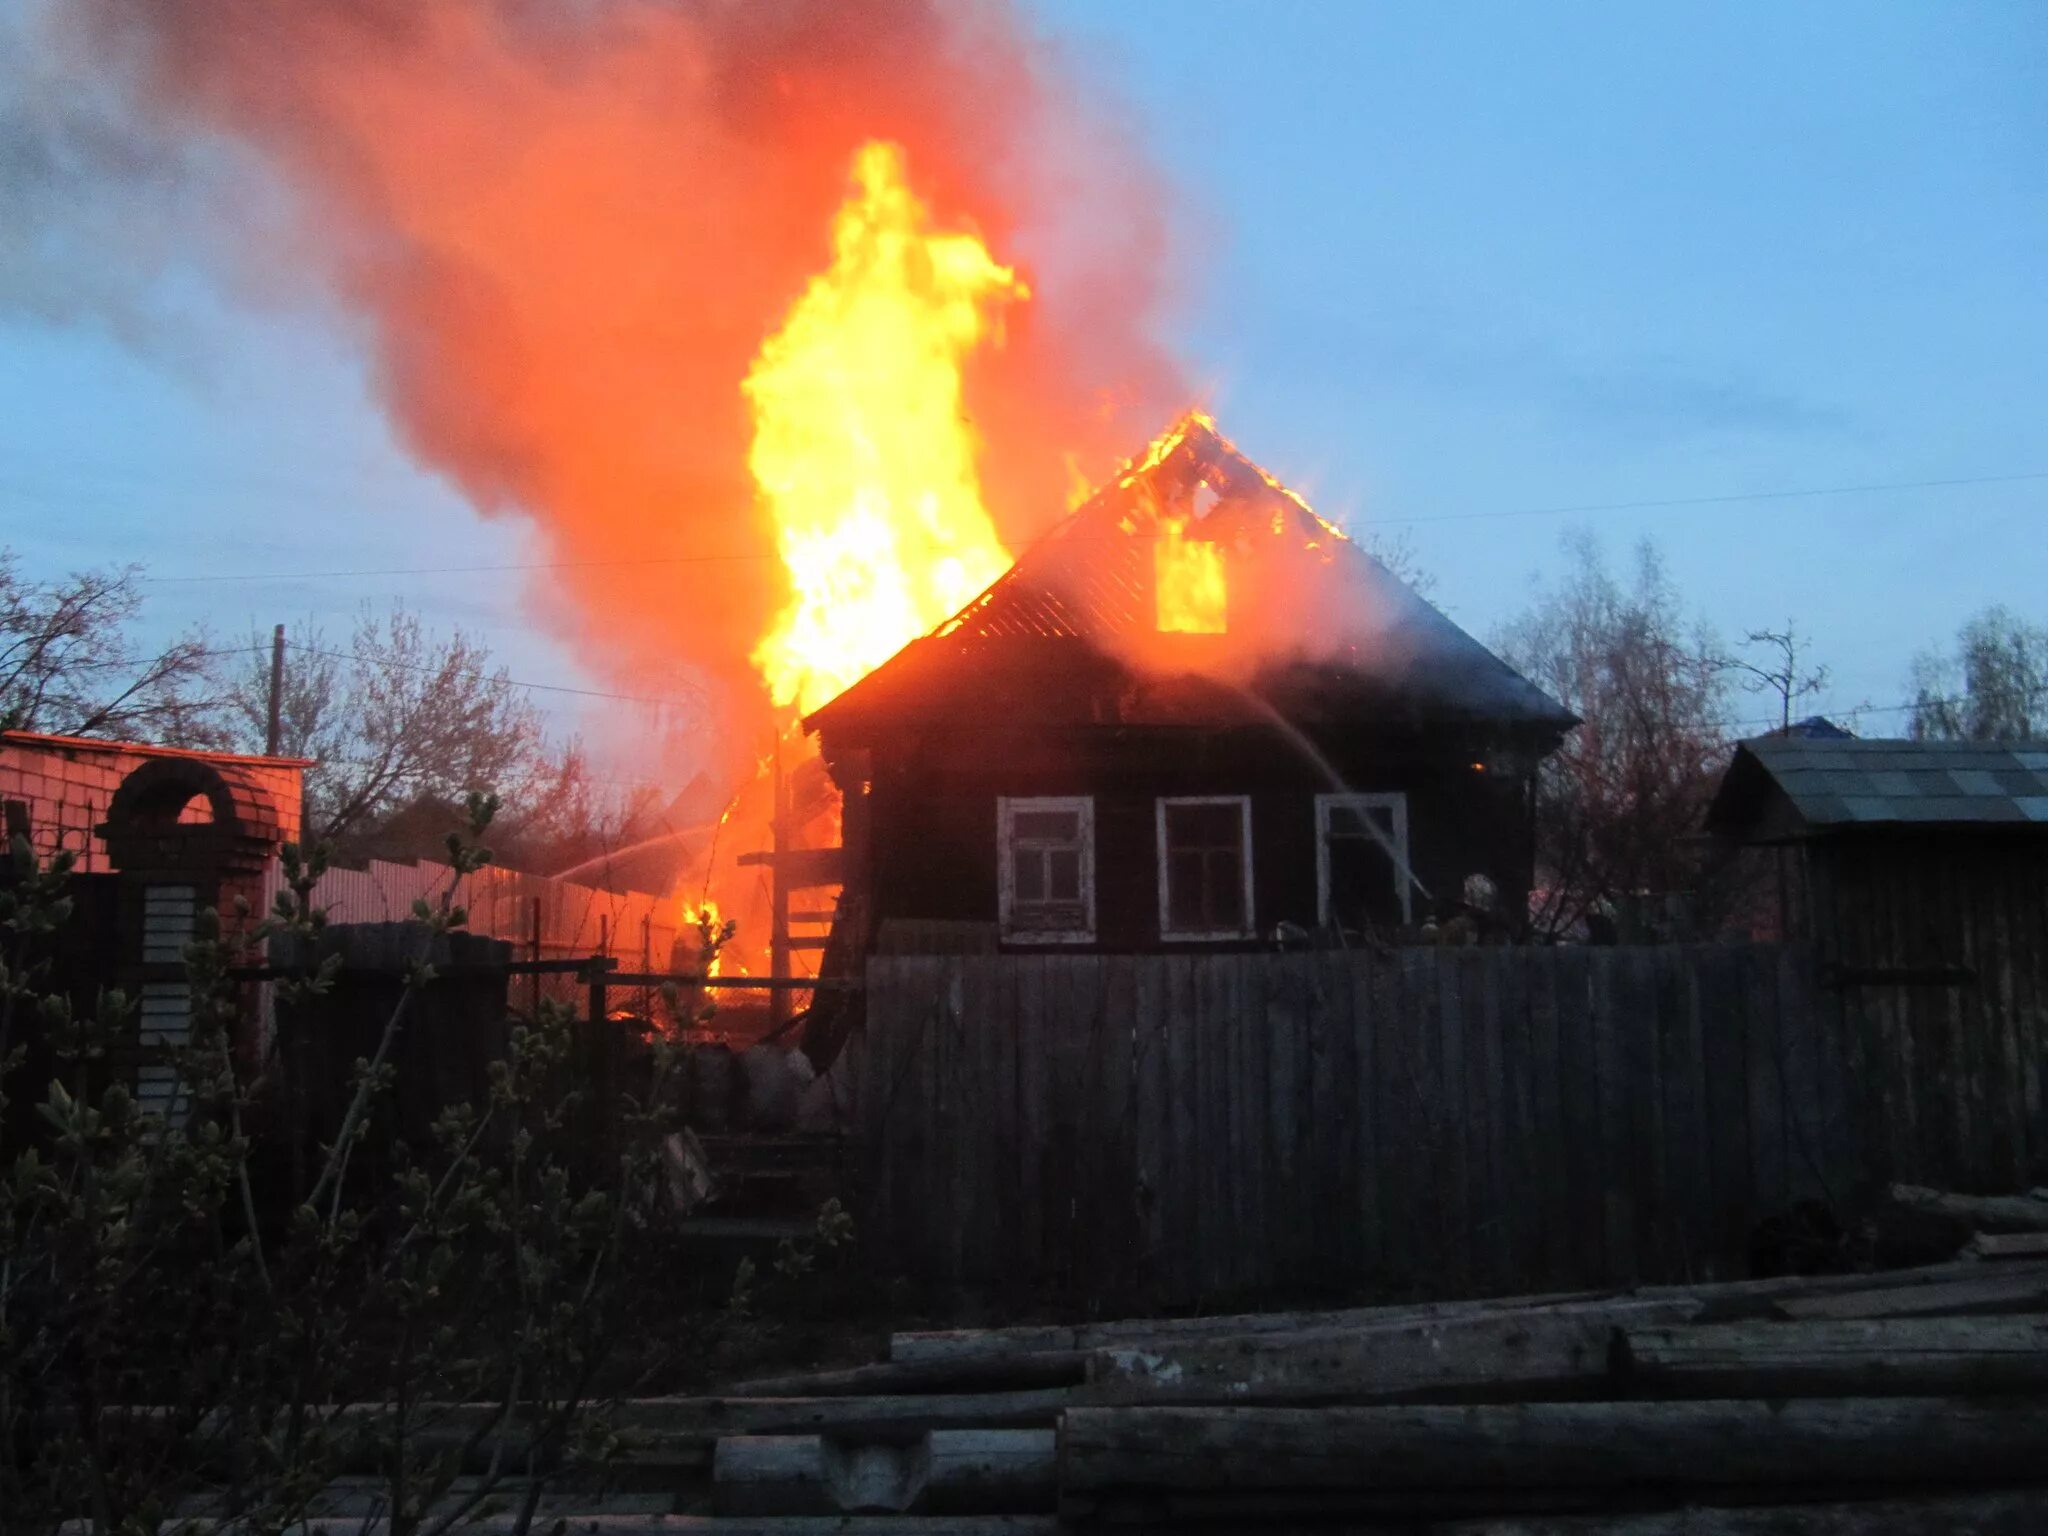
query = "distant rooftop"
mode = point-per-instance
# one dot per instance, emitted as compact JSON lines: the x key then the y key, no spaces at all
{"x":1834,"y":783}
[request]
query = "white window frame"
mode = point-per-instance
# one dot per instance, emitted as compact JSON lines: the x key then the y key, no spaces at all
{"x":1404,"y":883}
{"x":1167,"y":932}
{"x":1006,"y":867}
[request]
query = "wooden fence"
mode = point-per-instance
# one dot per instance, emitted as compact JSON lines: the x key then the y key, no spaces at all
{"x":1176,"y":1129}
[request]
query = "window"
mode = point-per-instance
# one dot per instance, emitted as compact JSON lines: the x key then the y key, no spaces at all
{"x":1205,"y":867}
{"x":1362,"y":872}
{"x":1046,"y":868}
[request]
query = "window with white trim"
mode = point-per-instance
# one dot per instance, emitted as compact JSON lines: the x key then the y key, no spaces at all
{"x":1205,"y":867}
{"x":1045,"y":847}
{"x":1362,"y":871}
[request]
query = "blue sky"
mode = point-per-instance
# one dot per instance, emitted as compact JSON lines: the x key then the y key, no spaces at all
{"x":1442,"y":263}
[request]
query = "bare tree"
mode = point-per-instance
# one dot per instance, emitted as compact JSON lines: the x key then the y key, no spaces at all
{"x":394,"y":716}
{"x":1619,"y":805}
{"x":1992,"y":687}
{"x":70,"y":663}
{"x":1781,"y":675}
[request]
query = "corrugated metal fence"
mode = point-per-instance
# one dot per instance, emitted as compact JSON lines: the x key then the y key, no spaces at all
{"x":1181,"y":1129}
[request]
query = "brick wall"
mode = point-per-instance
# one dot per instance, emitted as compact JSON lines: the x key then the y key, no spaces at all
{"x":67,"y":783}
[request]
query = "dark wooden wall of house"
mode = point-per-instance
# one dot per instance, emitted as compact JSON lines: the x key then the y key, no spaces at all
{"x":930,"y":821}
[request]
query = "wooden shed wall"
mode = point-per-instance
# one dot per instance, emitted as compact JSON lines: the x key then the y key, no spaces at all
{"x":1939,"y":944}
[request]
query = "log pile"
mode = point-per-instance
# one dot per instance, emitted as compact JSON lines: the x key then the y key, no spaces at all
{"x":1907,"y":1401}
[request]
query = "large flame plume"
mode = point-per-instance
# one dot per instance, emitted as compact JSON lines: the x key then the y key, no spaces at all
{"x":861,"y":446}
{"x":563,"y":232}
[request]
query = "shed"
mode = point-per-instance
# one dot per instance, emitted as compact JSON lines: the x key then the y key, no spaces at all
{"x":1914,"y":862}
{"x":1194,"y":714}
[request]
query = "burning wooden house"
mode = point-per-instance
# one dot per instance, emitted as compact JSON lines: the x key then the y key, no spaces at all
{"x":1193,"y":714}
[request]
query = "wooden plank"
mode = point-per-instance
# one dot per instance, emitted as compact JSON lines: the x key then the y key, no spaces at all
{"x":945,"y":1217}
{"x":976,"y":1191}
{"x":1071,"y":1000}
{"x":1508,"y":982}
{"x":1276,"y":1113}
{"x":1355,"y":974}
{"x":1033,"y":1089}
{"x":2008,"y":1093}
{"x":1499,"y":1264}
{"x":1765,"y":1082}
{"x":1615,"y":1007}
{"x":1117,"y":1216}
{"x":1334,"y":1148}
{"x":881,"y":1060}
{"x":1986,"y":1213}
{"x":1894,"y":1357}
{"x":1149,"y":1006}
{"x":1458,"y":1207}
{"x":1476,"y":1358}
{"x":1404,"y":1168}
{"x":1680,"y":1075}
{"x":1980,"y":1514}
{"x":1581,"y":1196}
{"x":2004,"y":1288}
{"x":1641,"y":1067}
{"x":1214,"y":1233}
{"x":1183,"y":1190}
{"x":1545,"y":1058}
{"x":1814,"y":1170}
{"x":1006,"y":1155}
{"x":1721,"y":1031}
{"x":1239,"y":1153}
{"x":1434,"y":1116}
{"x":1746,"y":1443}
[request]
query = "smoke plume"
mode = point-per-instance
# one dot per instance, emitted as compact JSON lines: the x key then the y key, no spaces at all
{"x":563,"y":228}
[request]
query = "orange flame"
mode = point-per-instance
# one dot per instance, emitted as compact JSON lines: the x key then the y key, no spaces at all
{"x":1188,"y":576}
{"x":861,"y":448}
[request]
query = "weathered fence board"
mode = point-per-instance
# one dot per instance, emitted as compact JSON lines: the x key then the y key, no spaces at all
{"x":1182,"y":1129}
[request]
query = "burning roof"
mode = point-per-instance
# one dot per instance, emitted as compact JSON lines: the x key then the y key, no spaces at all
{"x":1195,"y":564}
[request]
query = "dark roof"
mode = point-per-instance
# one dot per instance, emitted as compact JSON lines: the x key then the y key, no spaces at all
{"x":1833,"y":784}
{"x":1334,"y":629}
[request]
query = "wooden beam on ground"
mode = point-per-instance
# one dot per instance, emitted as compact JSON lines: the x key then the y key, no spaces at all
{"x":2009,"y":1245}
{"x":1480,"y":1358}
{"x":1723,"y":1301}
{"x":2006,"y":1288}
{"x":1893,"y":1357}
{"x":674,"y":1525}
{"x":1061,"y":1369}
{"x":2017,"y":1513}
{"x":1987,"y":1213}
{"x":994,"y":1471}
{"x":992,"y":1343}
{"x":1395,"y":1459}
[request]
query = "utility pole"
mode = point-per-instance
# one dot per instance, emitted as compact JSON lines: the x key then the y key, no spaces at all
{"x":275,"y":731}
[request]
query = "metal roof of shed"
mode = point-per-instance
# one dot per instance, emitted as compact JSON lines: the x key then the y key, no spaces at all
{"x":1857,"y":783}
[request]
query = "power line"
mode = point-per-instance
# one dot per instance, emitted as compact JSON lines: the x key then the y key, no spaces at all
{"x":1733,"y":498}
{"x":1717,"y":501}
